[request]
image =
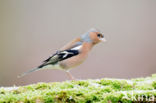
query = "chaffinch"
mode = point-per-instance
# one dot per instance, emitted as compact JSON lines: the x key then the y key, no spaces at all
{"x":72,"y":54}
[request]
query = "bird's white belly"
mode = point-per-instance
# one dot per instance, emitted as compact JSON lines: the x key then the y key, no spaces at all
{"x":56,"y":66}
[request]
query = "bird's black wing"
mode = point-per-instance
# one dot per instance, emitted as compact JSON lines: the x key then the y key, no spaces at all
{"x":59,"y":56}
{"x":55,"y":58}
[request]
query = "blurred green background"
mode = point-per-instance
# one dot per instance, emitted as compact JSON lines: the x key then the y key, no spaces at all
{"x":31,"y":30}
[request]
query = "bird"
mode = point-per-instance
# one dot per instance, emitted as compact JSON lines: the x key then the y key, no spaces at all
{"x":72,"y":54}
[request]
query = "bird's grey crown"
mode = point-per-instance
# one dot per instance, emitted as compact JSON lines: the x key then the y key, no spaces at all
{"x":86,"y":38}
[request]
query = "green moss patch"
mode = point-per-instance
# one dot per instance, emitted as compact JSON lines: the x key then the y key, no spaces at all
{"x":84,"y":91}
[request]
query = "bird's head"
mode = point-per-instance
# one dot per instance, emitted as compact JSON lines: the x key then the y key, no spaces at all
{"x":93,"y":36}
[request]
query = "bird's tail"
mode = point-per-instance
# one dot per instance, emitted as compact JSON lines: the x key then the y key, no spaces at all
{"x":32,"y":70}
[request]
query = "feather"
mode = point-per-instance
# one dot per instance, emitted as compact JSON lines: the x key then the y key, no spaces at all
{"x":59,"y":56}
{"x":32,"y":70}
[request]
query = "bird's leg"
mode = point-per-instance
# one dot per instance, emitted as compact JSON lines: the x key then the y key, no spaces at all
{"x":70,"y":75}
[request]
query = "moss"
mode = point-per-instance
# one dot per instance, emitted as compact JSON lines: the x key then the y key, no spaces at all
{"x":84,"y":91}
{"x":154,"y":84}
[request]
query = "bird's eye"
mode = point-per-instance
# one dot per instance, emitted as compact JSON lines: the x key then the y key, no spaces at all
{"x":99,"y":35}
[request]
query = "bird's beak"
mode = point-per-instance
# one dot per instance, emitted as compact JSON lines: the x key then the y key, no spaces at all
{"x":103,"y":40}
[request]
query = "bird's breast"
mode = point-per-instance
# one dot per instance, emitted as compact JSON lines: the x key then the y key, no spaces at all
{"x":73,"y":61}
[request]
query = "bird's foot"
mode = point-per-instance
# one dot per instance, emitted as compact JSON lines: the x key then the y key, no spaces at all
{"x":70,"y":76}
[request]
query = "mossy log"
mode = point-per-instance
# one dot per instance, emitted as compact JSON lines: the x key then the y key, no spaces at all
{"x":106,"y":90}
